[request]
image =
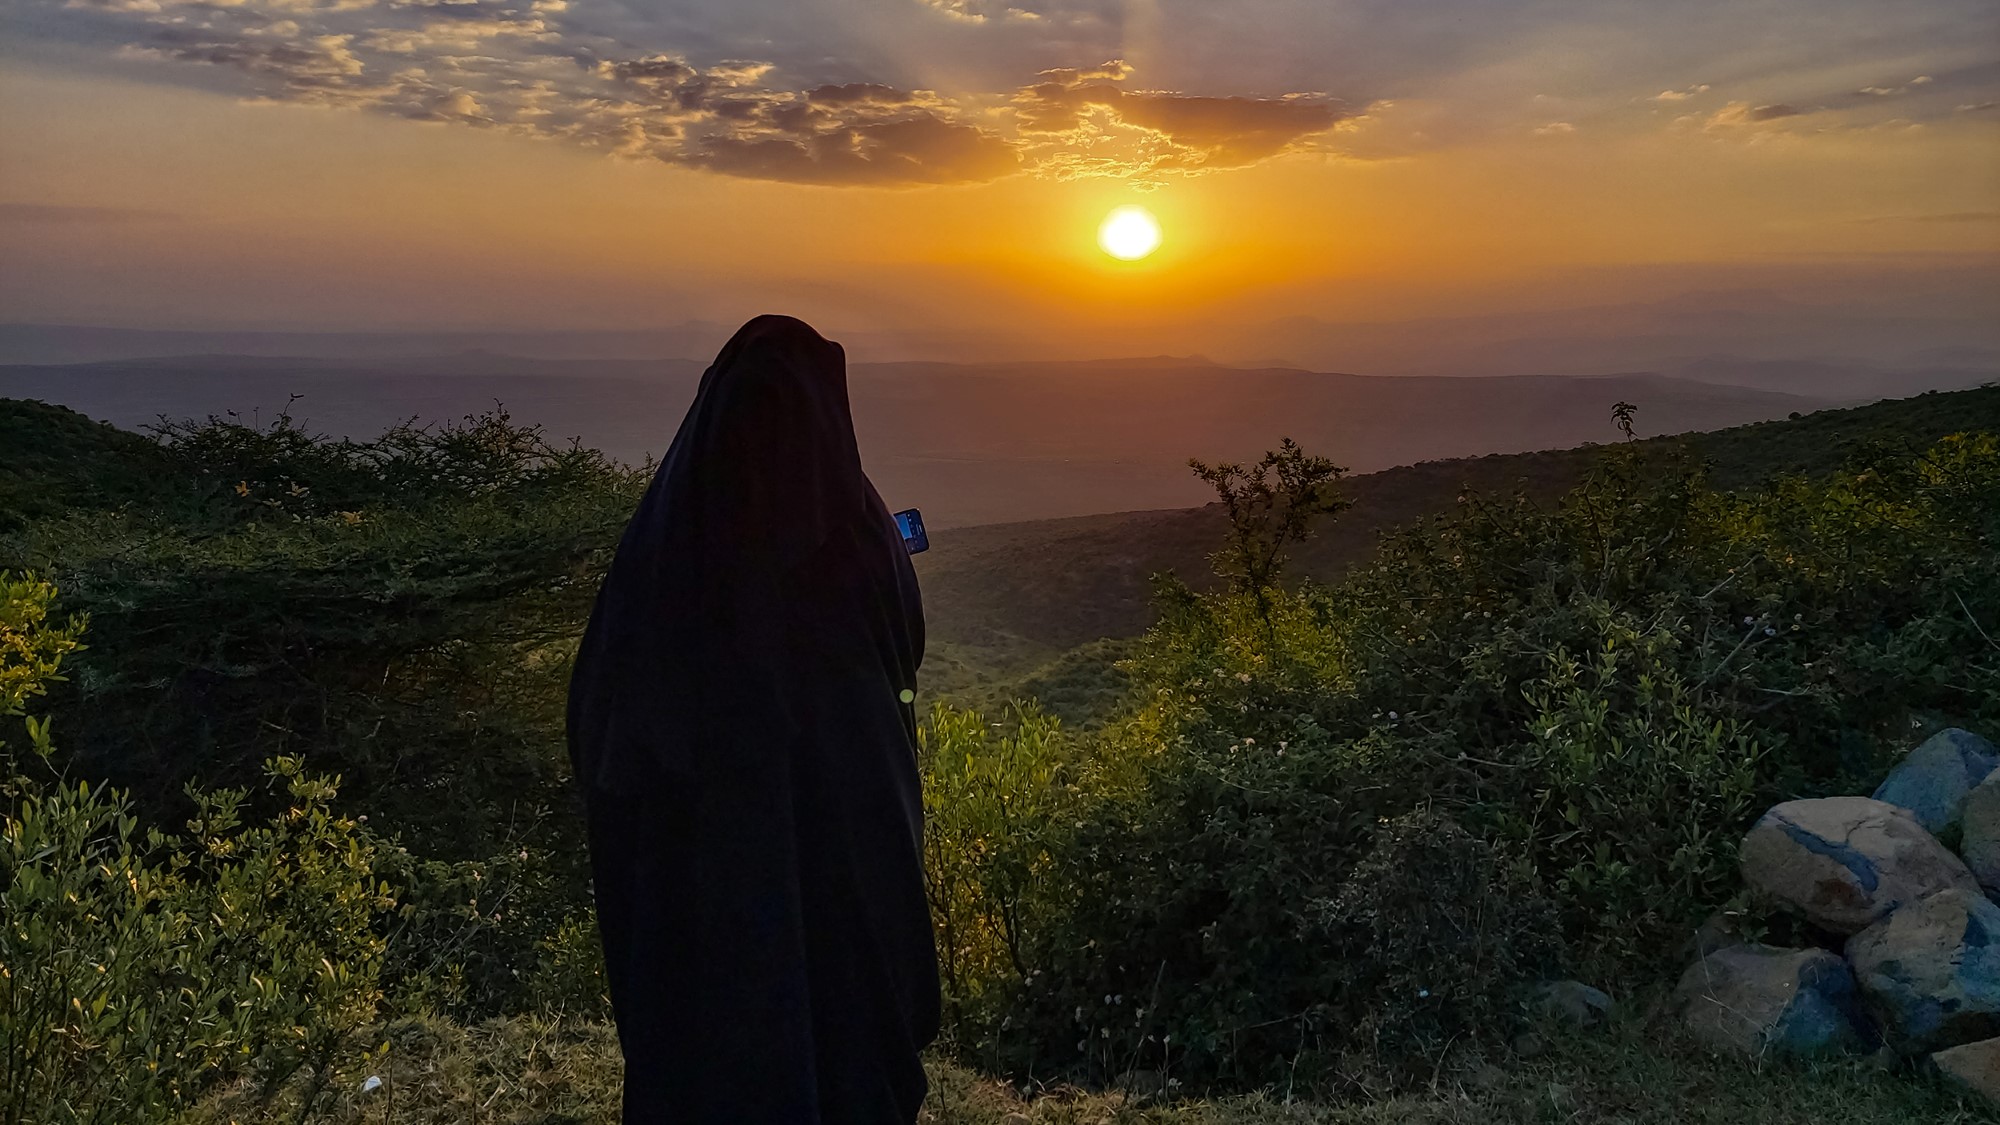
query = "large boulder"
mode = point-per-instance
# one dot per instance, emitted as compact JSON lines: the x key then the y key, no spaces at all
{"x":1979,"y":838}
{"x":1975,"y":1066}
{"x":1930,"y":972}
{"x":1845,"y":862}
{"x":1933,"y":781}
{"x":1755,"y":1000}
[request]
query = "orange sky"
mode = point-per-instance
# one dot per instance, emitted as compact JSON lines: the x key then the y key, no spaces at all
{"x":156,"y":171}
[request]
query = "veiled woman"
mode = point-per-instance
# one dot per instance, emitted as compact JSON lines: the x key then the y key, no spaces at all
{"x":740,"y":720}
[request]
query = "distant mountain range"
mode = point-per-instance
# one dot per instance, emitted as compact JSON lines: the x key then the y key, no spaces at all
{"x":1820,"y":333}
{"x":969,"y":443}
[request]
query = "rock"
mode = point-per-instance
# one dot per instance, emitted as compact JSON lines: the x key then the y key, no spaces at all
{"x":1975,"y":1066}
{"x":1845,"y":862}
{"x":1719,"y":930}
{"x":1930,"y":972}
{"x":1573,"y":1002}
{"x":1933,"y":781}
{"x":1979,"y":836}
{"x":1759,"y":999}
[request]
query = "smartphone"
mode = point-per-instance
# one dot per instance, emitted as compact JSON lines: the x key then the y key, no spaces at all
{"x":910,"y":522}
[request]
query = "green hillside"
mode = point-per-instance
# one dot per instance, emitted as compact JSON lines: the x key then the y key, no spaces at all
{"x":53,"y":460}
{"x":292,"y":809}
{"x":1005,"y":599}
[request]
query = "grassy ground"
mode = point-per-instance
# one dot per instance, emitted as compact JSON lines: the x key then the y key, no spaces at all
{"x":1639,"y":1072}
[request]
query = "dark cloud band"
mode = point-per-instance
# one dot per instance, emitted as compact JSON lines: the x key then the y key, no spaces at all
{"x":516,"y":64}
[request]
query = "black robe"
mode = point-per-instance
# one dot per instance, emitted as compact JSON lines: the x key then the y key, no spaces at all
{"x":739,"y":720}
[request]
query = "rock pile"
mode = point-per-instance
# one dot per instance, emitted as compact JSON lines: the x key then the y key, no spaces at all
{"x":1911,"y":962}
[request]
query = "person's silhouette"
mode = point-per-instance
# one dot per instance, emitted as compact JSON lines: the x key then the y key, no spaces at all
{"x":739,"y":721}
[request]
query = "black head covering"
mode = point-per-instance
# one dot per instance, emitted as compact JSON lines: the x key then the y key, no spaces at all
{"x":749,"y":764}
{"x":763,"y":473}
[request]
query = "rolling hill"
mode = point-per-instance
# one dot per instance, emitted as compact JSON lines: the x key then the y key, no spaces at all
{"x":1002,"y":600}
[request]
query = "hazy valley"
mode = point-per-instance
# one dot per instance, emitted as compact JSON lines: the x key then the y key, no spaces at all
{"x":970,"y":443}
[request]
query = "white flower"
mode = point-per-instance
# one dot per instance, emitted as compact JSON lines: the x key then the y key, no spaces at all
{"x":1393,"y":716}
{"x":374,"y":1082}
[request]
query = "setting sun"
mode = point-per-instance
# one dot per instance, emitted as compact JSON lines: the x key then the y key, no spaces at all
{"x":1129,"y":233}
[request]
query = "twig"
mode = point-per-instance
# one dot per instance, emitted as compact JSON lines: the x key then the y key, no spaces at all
{"x":1974,"y":620}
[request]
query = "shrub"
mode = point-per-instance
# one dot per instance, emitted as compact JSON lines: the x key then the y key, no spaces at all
{"x":995,"y":802}
{"x":31,"y":648}
{"x":1603,"y":692}
{"x":1634,"y":795}
{"x":138,"y":969}
{"x":1431,"y":936}
{"x":401,"y":611}
{"x":471,"y":939}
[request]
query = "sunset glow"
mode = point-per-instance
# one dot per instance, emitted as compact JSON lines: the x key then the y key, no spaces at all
{"x":940,"y":165}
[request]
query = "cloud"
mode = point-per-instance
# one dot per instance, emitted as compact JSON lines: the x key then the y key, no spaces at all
{"x":1092,"y":109}
{"x":314,"y":68}
{"x":1738,"y":115}
{"x":908,"y":150}
{"x":1894,"y":91}
{"x":1959,"y":217}
{"x":1555,"y":129}
{"x":527,"y":66}
{"x":1951,"y":217}
{"x":952,"y":91}
{"x":722,"y":119}
{"x":1772,"y":112}
{"x":1679,"y":95}
{"x":968,"y":11}
{"x":983,"y":11}
{"x":68,"y":213}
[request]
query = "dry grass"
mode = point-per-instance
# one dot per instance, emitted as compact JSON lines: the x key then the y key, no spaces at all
{"x":540,"y":1072}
